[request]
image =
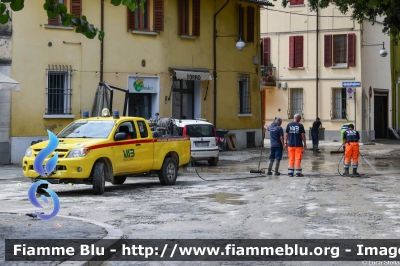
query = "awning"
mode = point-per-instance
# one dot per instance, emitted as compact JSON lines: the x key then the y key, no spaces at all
{"x":7,"y":83}
{"x":193,"y":75}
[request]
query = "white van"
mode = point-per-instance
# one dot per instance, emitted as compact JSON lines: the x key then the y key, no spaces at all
{"x":203,"y":139}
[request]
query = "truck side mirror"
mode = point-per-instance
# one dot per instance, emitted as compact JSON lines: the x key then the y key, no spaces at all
{"x":120,"y":136}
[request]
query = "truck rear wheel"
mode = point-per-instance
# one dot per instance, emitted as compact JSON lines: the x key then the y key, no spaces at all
{"x":99,"y":178}
{"x":40,"y":188}
{"x":118,"y":180}
{"x":168,"y":172}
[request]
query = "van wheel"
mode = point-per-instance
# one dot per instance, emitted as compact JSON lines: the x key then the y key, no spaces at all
{"x":168,"y":172}
{"x":99,"y":178}
{"x":213,"y":161}
{"x":118,"y":180}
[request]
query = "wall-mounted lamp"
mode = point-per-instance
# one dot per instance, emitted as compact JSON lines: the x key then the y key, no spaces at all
{"x":96,"y":73}
{"x":116,"y":74}
{"x":239,"y":45}
{"x":383,"y":52}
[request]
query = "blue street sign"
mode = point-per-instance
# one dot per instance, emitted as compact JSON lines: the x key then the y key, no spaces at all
{"x":351,"y":84}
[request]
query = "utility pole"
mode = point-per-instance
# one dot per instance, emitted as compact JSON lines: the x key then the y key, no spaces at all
{"x":355,"y":109}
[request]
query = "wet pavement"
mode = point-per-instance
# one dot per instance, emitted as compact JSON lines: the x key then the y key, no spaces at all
{"x":234,"y":204}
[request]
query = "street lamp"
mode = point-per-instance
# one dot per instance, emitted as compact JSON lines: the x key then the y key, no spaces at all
{"x":240,"y":44}
{"x":383,"y":52}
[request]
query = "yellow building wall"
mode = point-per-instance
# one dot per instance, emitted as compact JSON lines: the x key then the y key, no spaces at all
{"x":123,"y":54}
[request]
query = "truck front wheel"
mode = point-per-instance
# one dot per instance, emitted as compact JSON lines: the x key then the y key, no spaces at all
{"x":168,"y":172}
{"x":99,"y":178}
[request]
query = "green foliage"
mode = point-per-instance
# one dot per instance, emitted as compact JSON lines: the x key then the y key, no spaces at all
{"x":54,"y":9}
{"x":366,"y":10}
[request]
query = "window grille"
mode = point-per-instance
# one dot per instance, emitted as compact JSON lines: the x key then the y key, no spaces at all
{"x":58,"y":92}
{"x":244,"y":93}
{"x":339,"y":109}
{"x":295,"y":102}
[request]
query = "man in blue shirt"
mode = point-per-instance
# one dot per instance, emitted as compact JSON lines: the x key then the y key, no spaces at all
{"x":351,"y":138}
{"x":295,"y":137}
{"x":277,"y":141}
{"x":316,"y":127}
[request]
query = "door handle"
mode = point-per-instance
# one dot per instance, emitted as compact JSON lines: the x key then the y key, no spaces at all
{"x":138,"y":144}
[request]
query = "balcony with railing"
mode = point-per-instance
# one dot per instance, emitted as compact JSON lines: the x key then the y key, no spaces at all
{"x":268,"y":76}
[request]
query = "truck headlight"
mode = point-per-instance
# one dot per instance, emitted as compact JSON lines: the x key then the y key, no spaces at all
{"x":28,"y":152}
{"x":79,"y":152}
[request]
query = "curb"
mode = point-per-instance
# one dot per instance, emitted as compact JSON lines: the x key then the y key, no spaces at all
{"x":112,"y":234}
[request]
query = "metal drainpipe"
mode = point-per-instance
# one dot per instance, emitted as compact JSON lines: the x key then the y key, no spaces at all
{"x":316,"y":71}
{"x":215,"y":62}
{"x":102,"y":42}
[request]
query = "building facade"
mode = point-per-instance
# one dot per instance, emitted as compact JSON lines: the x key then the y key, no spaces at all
{"x":5,"y":93}
{"x":324,"y":65}
{"x":178,"y":58}
{"x":395,"y":62}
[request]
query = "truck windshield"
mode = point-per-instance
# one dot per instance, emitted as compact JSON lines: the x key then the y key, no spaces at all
{"x":87,"y":129}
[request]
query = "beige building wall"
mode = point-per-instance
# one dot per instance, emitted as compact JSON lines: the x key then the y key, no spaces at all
{"x":39,"y":47}
{"x":278,"y":24}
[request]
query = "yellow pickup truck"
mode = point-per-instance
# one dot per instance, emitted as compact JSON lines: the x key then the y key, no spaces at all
{"x":98,"y":149}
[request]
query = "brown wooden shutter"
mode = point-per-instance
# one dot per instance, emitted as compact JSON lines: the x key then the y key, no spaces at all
{"x":250,"y":24}
{"x":328,"y":50}
{"x":291,"y":51}
{"x":241,"y":22}
{"x":76,"y":8}
{"x":351,"y":49}
{"x":266,"y":51}
{"x":298,"y":51}
{"x":55,"y":21}
{"x":158,"y":15}
{"x":296,"y":2}
{"x":131,"y":19}
{"x":196,"y":18}
{"x":181,"y":17}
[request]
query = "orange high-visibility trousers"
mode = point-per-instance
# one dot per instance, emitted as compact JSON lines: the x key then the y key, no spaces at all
{"x":352,"y":152}
{"x":295,"y":154}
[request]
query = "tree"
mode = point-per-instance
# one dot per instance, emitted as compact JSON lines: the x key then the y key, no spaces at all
{"x":366,"y":9}
{"x":55,"y":9}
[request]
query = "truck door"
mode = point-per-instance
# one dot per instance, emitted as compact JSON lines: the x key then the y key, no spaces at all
{"x":144,"y":148}
{"x":126,"y":158}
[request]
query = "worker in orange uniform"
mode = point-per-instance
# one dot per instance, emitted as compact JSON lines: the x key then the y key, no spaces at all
{"x":351,"y":138}
{"x":295,"y":137}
